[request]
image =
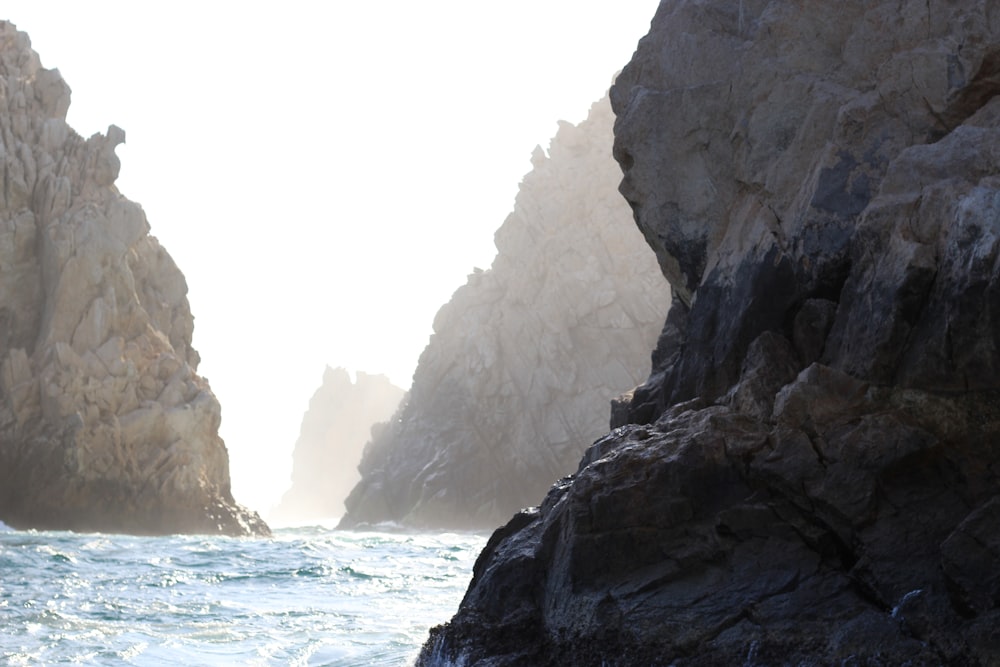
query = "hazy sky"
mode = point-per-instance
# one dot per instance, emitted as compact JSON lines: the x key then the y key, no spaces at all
{"x":325,"y":174}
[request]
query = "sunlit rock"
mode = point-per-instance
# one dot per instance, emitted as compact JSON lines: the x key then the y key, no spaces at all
{"x":104,"y":423}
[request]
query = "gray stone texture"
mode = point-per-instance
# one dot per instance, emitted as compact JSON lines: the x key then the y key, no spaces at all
{"x":810,"y":474}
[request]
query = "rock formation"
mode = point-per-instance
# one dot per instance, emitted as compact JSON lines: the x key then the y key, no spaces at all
{"x":104,"y":424}
{"x":810,"y":474}
{"x":335,"y":429}
{"x":516,"y":379}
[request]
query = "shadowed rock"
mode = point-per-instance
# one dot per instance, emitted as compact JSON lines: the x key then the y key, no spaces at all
{"x":809,"y":476}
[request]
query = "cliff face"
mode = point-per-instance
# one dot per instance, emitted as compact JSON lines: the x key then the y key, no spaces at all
{"x":335,"y":429}
{"x":516,"y":379}
{"x":104,"y":424}
{"x":810,"y":474}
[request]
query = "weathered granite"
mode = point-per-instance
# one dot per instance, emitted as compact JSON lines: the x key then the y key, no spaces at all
{"x":341,"y":419}
{"x":810,"y":474}
{"x":516,"y":379}
{"x":104,"y":423}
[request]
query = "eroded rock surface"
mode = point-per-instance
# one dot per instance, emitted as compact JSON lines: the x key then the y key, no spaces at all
{"x":339,"y":423}
{"x":810,"y":474}
{"x":516,"y":379}
{"x":104,"y":423}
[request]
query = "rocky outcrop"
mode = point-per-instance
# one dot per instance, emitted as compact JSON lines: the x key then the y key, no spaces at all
{"x":517,"y":376}
{"x":809,"y":476}
{"x":104,"y":423}
{"x":335,"y":429}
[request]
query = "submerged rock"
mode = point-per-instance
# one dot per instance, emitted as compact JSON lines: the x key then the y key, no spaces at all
{"x":515,"y":381}
{"x":809,"y":476}
{"x":342,"y":416}
{"x":104,"y":423}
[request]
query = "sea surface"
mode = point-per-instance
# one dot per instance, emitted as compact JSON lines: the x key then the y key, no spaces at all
{"x":307,"y":596}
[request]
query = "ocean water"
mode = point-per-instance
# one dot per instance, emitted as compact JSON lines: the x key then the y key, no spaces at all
{"x":307,"y":596}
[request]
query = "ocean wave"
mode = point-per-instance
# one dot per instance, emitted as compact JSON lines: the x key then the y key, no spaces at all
{"x":307,"y":595}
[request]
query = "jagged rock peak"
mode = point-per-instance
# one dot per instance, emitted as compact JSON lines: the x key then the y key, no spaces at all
{"x":340,"y":421}
{"x":104,"y":423}
{"x":809,"y":476}
{"x":515,"y":381}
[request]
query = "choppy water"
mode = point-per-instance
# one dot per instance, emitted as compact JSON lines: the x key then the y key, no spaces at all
{"x":309,"y":596}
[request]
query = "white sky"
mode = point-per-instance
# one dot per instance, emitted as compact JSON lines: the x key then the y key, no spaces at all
{"x":325,"y":174}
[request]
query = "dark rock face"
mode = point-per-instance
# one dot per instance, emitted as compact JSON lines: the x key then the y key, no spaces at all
{"x":105,"y":424}
{"x":340,"y":421}
{"x":810,"y":474}
{"x":515,"y":382}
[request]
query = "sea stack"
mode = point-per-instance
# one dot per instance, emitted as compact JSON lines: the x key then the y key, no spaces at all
{"x":104,"y":423}
{"x":335,"y":429}
{"x":810,"y":474}
{"x":516,"y":379}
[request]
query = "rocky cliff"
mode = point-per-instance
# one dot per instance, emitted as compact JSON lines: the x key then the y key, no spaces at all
{"x":104,"y":423}
{"x":334,"y":432}
{"x":516,"y":379}
{"x":810,"y":475}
